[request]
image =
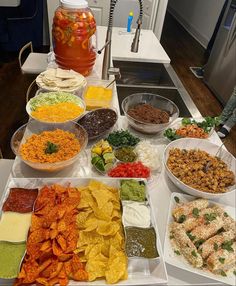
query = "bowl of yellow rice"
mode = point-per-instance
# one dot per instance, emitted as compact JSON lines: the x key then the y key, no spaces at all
{"x":49,"y":147}
{"x":55,"y":107}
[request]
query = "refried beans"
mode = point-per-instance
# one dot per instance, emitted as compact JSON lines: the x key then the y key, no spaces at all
{"x":148,"y":114}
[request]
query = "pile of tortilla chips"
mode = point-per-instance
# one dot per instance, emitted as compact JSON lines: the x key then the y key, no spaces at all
{"x":53,"y":236}
{"x":101,"y":239}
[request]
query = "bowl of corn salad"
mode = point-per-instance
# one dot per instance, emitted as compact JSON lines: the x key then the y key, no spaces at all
{"x":55,"y":107}
{"x":49,"y":147}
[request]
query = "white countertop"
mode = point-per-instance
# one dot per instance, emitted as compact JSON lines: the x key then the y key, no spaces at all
{"x":150,"y":49}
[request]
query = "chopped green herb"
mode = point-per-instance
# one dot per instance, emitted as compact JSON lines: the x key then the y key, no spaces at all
{"x":207,"y":124}
{"x":194,"y":253}
{"x":122,"y":138}
{"x":51,"y":148}
{"x":222,"y":260}
{"x":171,"y":236}
{"x":191,"y":237}
{"x":225,"y":214}
{"x":199,"y":242}
{"x":195,"y":212}
{"x":171,"y":134}
{"x":177,"y":252}
{"x":186,"y":121}
{"x":210,"y":217}
{"x":227,"y":245}
{"x":222,"y":273}
{"x":234,"y":272}
{"x":176,"y":199}
{"x":216,"y":246}
{"x":182,"y":218}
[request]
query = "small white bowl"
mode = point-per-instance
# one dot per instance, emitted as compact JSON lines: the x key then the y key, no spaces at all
{"x":204,"y":145}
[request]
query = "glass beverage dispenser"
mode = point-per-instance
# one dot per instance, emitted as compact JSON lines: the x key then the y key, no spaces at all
{"x":72,"y":31}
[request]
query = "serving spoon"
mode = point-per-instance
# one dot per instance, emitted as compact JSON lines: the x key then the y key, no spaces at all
{"x":208,"y":164}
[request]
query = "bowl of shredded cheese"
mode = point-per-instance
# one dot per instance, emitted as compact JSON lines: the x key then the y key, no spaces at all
{"x":49,"y":147}
{"x":55,"y":107}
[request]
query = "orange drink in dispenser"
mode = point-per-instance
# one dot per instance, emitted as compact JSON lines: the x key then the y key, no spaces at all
{"x":72,"y":31}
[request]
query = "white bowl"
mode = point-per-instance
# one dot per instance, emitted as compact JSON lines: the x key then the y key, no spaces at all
{"x":205,"y":145}
{"x":81,"y":104}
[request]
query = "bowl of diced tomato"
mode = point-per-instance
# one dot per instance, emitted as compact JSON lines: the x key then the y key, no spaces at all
{"x":130,"y":170}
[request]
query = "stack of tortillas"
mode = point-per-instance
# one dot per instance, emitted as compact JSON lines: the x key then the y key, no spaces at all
{"x":56,"y":79}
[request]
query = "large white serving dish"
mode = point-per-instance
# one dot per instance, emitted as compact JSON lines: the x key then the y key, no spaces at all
{"x":205,"y":145}
{"x":141,"y":271}
{"x":179,"y":261}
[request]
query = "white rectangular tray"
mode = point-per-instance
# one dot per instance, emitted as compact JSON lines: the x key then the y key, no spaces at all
{"x":141,"y":271}
{"x":179,"y":261}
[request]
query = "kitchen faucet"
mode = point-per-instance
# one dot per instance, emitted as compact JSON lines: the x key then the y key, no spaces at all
{"x":106,"y":69}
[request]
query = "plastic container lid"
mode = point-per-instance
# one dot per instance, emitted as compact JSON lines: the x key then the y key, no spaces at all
{"x":74,"y":4}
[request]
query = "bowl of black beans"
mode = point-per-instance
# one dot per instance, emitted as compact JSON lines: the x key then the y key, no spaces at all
{"x":98,"y":122}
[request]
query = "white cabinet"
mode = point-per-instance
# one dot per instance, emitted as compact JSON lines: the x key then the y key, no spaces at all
{"x":52,"y":6}
{"x":100,"y":10}
{"x":153,"y":13}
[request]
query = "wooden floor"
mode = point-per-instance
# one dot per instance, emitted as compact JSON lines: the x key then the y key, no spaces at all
{"x":13,"y":86}
{"x":183,"y":50}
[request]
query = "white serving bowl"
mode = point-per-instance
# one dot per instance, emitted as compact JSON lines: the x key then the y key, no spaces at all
{"x":204,"y":145}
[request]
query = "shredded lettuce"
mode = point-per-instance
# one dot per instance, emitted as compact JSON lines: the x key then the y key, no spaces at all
{"x":51,"y":98}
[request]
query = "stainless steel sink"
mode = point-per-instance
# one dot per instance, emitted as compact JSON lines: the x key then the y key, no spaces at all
{"x":139,"y":73}
{"x":154,"y":78}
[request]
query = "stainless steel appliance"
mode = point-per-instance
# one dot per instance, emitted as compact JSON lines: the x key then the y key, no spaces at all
{"x":220,"y":70}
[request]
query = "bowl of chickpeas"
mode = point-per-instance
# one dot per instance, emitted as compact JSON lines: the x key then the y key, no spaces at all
{"x":192,"y":165}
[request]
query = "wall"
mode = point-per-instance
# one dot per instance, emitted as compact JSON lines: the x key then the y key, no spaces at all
{"x":199,"y":17}
{"x":52,"y":6}
{"x":160,"y":8}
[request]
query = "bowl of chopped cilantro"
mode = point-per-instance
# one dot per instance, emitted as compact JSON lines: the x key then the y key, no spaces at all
{"x":122,"y":138}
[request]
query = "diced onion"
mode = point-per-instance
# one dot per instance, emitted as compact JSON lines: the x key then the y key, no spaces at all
{"x":148,"y":155}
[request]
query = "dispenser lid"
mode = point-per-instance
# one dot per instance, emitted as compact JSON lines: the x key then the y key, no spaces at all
{"x":74,"y":4}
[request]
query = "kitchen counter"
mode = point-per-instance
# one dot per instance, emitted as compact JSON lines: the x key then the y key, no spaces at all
{"x":150,"y":49}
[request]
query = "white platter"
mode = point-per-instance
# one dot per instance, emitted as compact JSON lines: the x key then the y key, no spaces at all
{"x":178,"y":123}
{"x":179,"y":261}
{"x":141,"y":271}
